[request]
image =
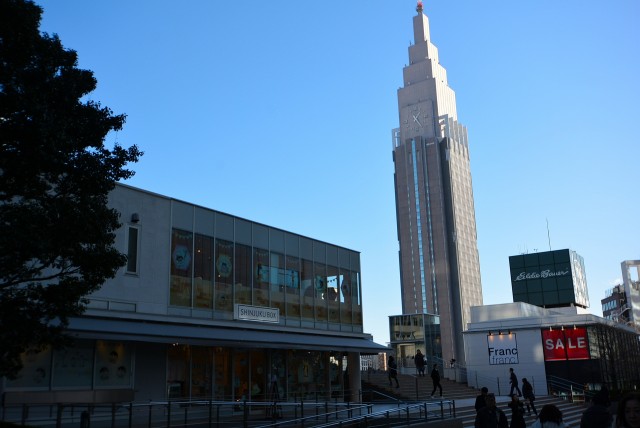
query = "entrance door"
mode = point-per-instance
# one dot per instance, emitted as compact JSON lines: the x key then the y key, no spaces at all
{"x":406,"y":353}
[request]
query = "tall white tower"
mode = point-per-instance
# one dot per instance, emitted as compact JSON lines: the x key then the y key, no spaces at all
{"x":439,"y":264}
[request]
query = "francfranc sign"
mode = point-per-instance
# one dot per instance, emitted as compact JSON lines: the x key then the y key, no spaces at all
{"x":503,"y":349}
{"x":542,"y":274}
{"x":256,"y":313}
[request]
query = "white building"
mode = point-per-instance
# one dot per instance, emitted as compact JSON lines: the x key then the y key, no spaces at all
{"x":541,"y":344}
{"x":208,"y":306}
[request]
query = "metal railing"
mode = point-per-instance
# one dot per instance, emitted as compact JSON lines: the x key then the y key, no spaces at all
{"x":568,"y":390}
{"x":160,"y":414}
{"x":210,"y":413}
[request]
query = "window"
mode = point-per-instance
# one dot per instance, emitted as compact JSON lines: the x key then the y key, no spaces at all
{"x":132,"y":250}
{"x":181,"y":274}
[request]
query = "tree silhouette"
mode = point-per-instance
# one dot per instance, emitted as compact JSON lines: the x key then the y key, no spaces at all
{"x":56,"y":230}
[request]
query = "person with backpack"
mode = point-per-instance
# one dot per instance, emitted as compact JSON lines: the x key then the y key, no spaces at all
{"x":529,"y":398}
{"x":490,"y":416}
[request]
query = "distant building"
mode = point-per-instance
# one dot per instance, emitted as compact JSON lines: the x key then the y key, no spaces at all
{"x":550,"y":279}
{"x":631,"y":282}
{"x":439,"y":263}
{"x":614,"y":304}
{"x":622,"y":302}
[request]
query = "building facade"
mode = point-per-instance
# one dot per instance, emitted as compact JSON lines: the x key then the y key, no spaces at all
{"x":631,"y":282}
{"x":614,"y":304}
{"x":439,"y":263}
{"x":549,"y":279}
{"x":410,"y":333}
{"x":210,"y":306}
{"x":543,"y":344}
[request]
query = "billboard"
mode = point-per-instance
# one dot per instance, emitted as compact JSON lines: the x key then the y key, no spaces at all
{"x":549,"y":279}
{"x":569,"y":344}
{"x":502,"y":348}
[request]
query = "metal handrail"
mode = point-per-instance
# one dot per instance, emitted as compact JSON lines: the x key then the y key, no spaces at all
{"x":390,"y":397}
{"x":326,"y":416}
{"x":421,"y":407}
{"x":574,"y":390}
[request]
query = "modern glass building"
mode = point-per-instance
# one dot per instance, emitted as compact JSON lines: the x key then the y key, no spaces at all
{"x":410,"y":333}
{"x":549,"y":279}
{"x":438,"y":254}
{"x":211,"y":306}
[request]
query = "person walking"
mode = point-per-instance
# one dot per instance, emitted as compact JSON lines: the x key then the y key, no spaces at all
{"x":628,"y":415}
{"x":393,"y":371}
{"x":435,"y":376}
{"x":529,"y":397}
{"x":517,"y":413}
{"x":481,"y":400}
{"x":491,"y":416}
{"x":513,"y":379}
{"x":550,"y":417}
{"x":420,"y":363}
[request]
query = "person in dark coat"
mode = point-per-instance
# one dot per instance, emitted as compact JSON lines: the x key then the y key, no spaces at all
{"x":513,"y":380}
{"x":598,"y":414}
{"x":393,"y":371}
{"x":517,"y":413}
{"x":481,"y":400}
{"x":435,"y":376}
{"x":420,"y":363}
{"x":491,"y":416}
{"x":529,"y":397}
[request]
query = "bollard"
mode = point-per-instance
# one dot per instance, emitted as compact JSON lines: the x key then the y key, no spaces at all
{"x":59,"y":416}
{"x":84,"y":420}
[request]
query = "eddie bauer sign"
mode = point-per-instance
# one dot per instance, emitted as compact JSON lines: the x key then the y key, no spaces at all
{"x":547,"y":273}
{"x":569,"y":344}
{"x":256,"y":313}
{"x":503,"y":349}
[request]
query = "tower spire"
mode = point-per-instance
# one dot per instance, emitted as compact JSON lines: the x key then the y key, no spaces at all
{"x":419,"y":6}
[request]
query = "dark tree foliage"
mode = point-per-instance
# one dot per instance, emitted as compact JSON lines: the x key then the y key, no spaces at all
{"x":56,"y":230}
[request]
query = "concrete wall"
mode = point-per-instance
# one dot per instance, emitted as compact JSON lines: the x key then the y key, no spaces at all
{"x":490,"y":367}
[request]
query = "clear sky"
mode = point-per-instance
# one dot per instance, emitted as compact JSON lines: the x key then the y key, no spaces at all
{"x":281,"y":112}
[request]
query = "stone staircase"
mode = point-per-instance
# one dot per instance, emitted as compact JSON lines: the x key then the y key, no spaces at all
{"x":419,"y":389}
{"x":414,"y":388}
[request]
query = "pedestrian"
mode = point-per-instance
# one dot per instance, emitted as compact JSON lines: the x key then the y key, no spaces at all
{"x":550,"y":417}
{"x":481,"y":400}
{"x":517,"y":412}
{"x":435,"y":376}
{"x":393,"y":371}
{"x":598,"y":414}
{"x":529,"y":397}
{"x":491,"y":416}
{"x":629,"y":411}
{"x":420,"y":363}
{"x":513,"y":380}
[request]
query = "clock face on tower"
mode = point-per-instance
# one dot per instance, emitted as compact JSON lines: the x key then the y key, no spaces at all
{"x":415,"y":120}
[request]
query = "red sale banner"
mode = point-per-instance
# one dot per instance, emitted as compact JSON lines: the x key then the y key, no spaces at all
{"x":553,"y":342}
{"x":571,"y":344}
{"x":577,"y":343}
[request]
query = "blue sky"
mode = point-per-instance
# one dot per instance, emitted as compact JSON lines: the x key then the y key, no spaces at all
{"x":281,"y":112}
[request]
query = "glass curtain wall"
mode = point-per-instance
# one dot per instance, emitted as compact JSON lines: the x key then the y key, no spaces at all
{"x":212,"y":274}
